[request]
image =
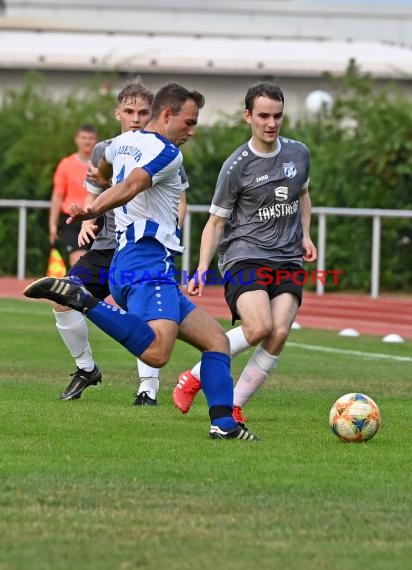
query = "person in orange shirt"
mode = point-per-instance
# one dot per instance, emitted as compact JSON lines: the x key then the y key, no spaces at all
{"x":68,"y":188}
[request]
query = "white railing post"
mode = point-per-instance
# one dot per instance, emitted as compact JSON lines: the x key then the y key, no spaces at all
{"x":21,"y":251}
{"x":376,"y":254}
{"x":22,"y":207}
{"x":320,"y":288}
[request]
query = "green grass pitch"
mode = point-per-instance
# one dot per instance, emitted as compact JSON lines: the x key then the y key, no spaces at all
{"x":100,"y":484}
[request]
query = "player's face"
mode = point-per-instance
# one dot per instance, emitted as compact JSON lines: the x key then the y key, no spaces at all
{"x":181,"y":127}
{"x":265,"y":120}
{"x":85,"y":142}
{"x":133,"y":114}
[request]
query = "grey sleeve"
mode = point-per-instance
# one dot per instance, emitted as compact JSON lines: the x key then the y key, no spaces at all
{"x":91,"y":185}
{"x":183,"y":178}
{"x":305,"y":185}
{"x":226,"y":190}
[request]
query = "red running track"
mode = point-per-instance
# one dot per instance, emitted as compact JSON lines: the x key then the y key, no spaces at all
{"x":333,"y":311}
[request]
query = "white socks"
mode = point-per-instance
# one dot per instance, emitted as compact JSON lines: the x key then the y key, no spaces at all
{"x":237,"y":341}
{"x":73,"y":329}
{"x":149,"y":379}
{"x":238,"y":344}
{"x":254,"y":375}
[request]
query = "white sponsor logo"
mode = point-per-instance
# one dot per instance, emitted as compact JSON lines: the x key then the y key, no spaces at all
{"x":278,"y":210}
{"x":281,"y":193}
{"x":263,"y":177}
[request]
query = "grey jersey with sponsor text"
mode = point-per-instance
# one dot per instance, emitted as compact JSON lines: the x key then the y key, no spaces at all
{"x":106,"y":238}
{"x":259,"y":195}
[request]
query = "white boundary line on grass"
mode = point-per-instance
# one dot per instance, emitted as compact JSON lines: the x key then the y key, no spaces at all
{"x":314,"y":347}
{"x":372,"y":355}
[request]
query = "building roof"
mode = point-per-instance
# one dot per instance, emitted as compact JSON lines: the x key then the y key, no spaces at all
{"x":299,"y":38}
{"x":389,"y":20}
{"x":215,"y":55}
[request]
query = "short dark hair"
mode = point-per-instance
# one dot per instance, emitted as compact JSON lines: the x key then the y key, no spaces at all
{"x":86,"y":128}
{"x":174,"y":96}
{"x":263,"y":89}
{"x":133,"y":91}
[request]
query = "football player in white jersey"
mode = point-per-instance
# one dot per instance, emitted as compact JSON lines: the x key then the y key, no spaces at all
{"x":133,"y":112}
{"x":154,"y":313}
{"x":260,"y":222}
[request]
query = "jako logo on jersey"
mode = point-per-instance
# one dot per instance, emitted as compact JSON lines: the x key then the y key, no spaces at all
{"x":289,"y":169}
{"x":281,"y":193}
{"x":263,"y":177}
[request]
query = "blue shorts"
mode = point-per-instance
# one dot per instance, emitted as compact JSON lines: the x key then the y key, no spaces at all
{"x":142,"y":281}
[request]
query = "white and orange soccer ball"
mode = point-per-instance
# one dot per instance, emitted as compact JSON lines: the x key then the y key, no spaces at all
{"x":354,"y":417}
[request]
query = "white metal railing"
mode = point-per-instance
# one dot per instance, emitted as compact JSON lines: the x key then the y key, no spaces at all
{"x":23,"y":206}
{"x":322,"y":213}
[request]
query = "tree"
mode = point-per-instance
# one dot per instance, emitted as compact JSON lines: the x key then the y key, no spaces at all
{"x":36,"y":131}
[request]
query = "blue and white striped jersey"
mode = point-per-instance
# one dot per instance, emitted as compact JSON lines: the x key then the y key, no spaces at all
{"x":106,"y":238}
{"x":154,"y":211}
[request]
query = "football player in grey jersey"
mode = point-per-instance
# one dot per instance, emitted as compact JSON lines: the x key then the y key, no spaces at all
{"x":260,"y":224}
{"x":133,"y":113}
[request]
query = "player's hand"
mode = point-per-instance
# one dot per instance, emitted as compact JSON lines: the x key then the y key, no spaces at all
{"x":193,"y":288}
{"x":79,"y":213}
{"x":196,"y":285}
{"x":310,"y":253}
{"x":88,"y":233}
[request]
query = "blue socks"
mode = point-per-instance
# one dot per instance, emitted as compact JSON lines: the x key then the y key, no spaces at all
{"x":136,"y":335}
{"x":217,"y":385}
{"x":128,"y":329}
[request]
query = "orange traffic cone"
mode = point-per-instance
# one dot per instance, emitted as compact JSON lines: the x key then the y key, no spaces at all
{"x":56,"y":266}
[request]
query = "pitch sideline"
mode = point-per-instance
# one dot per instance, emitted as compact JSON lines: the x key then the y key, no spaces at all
{"x":366,"y":355}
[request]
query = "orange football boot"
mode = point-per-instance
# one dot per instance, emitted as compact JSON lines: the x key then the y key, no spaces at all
{"x":185,"y":391}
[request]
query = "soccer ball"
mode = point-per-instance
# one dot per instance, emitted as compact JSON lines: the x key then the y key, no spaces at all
{"x":354,"y":417}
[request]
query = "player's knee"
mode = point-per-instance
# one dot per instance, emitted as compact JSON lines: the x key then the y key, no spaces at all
{"x":159,"y":360}
{"x":257,"y":333}
{"x":156,"y":356}
{"x":220,"y":343}
{"x":280,"y":334}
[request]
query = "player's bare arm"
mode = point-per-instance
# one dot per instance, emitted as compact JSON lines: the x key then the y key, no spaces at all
{"x":55,"y":209}
{"x":181,"y":209}
{"x":309,"y":250}
{"x":118,"y":195}
{"x":211,"y":236}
